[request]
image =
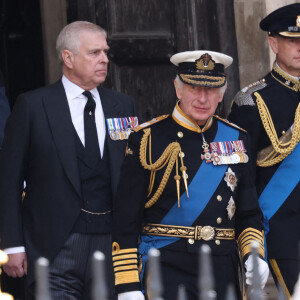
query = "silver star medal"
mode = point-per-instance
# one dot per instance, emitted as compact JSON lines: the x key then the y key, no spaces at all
{"x":231,"y":179}
{"x":231,"y":208}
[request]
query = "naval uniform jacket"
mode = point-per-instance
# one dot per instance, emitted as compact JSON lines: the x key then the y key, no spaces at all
{"x":281,"y":95}
{"x":39,"y":148}
{"x":131,"y":214}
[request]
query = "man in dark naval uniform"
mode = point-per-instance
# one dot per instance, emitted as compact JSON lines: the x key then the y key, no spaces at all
{"x":269,"y":110}
{"x":187,"y":180}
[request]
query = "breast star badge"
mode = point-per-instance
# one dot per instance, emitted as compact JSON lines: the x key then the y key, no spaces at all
{"x":231,"y":179}
{"x":230,"y":208}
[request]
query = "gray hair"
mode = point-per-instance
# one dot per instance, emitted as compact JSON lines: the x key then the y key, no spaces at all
{"x":180,"y":85}
{"x":69,"y":37}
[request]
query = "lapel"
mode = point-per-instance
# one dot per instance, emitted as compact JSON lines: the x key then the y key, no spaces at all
{"x":111,"y":107}
{"x":59,"y":117}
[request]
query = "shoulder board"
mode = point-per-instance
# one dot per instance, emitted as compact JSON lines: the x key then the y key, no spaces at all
{"x":244,"y":96}
{"x":230,"y":124}
{"x":148,"y":123}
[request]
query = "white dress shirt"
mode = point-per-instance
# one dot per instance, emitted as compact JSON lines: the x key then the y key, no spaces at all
{"x":77,"y":102}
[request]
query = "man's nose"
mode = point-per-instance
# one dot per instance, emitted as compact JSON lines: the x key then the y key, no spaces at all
{"x":202,"y":95}
{"x":103,"y":57}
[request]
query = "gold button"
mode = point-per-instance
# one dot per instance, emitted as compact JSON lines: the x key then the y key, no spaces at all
{"x":218,"y":242}
{"x":180,"y":134}
{"x":181,"y":154}
{"x":219,"y":220}
{"x":219,"y":198}
{"x":191,"y":241}
{"x":283,"y":132}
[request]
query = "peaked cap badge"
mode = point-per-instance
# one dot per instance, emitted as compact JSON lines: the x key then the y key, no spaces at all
{"x":205,"y":62}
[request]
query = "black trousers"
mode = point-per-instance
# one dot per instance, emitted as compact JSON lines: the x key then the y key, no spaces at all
{"x":182,"y":268}
{"x":285,"y":273}
{"x":70,"y":273}
{"x":13,"y":286}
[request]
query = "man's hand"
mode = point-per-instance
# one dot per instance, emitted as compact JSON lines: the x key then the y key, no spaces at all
{"x":263,"y":270}
{"x":16,"y":265}
{"x":135,"y":295}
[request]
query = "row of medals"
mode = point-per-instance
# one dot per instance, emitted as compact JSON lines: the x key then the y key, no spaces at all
{"x":234,"y":158}
{"x":120,"y":135}
{"x":224,"y":159}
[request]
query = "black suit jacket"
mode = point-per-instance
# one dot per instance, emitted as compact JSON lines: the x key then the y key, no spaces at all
{"x":4,"y":108}
{"x":39,"y":147}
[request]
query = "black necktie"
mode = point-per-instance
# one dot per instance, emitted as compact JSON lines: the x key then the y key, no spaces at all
{"x":92,"y":150}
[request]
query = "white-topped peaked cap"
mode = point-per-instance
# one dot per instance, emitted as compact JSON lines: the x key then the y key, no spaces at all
{"x":202,"y":67}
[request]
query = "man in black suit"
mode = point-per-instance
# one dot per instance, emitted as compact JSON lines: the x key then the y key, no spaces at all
{"x":57,"y":141}
{"x":4,"y":108}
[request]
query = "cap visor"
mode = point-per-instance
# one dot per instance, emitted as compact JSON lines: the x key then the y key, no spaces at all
{"x":289,"y":34}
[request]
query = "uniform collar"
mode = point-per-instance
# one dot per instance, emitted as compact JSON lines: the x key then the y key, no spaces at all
{"x":285,"y":79}
{"x":183,"y":120}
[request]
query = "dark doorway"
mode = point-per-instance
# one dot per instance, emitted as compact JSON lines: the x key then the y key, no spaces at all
{"x":21,"y":46}
{"x":143,"y":34}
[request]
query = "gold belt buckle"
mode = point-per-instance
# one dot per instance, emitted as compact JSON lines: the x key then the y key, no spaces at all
{"x":207,"y":233}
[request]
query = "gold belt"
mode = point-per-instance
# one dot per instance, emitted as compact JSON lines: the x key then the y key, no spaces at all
{"x":205,"y":233}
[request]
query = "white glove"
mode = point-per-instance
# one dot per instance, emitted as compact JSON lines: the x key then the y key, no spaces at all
{"x":263,"y":270}
{"x":135,"y":295}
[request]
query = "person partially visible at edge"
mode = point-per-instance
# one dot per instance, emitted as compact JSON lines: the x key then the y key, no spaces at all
{"x":187,"y":181}
{"x":269,"y":110}
{"x":4,"y":108}
{"x":67,"y":141}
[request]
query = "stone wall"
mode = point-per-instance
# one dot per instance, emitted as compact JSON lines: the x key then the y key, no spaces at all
{"x":255,"y":57}
{"x":54,"y":18}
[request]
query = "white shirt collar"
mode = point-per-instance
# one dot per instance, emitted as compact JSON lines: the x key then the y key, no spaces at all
{"x":74,"y":91}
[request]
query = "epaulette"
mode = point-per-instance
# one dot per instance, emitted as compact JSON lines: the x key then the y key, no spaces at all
{"x":244,"y":96}
{"x":148,"y":123}
{"x":229,"y":123}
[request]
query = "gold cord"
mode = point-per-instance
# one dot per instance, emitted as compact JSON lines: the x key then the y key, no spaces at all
{"x":169,"y":157}
{"x":281,"y":150}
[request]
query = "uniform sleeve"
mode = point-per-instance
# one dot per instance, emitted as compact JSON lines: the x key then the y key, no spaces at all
{"x":13,"y":162}
{"x":128,"y":215}
{"x":249,"y":217}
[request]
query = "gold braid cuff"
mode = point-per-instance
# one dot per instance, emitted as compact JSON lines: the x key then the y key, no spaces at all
{"x":169,"y":158}
{"x":280,"y":149}
{"x":125,"y":264}
{"x":248,"y":236}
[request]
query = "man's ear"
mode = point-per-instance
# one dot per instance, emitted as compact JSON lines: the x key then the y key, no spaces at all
{"x":68,"y":58}
{"x":221,"y":98}
{"x":273,"y":43}
{"x":178,"y":90}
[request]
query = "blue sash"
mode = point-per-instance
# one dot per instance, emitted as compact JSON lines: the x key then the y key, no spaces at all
{"x":280,"y":186}
{"x":201,"y":189}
